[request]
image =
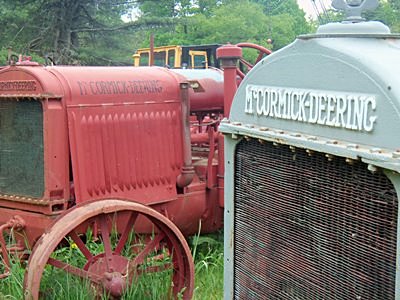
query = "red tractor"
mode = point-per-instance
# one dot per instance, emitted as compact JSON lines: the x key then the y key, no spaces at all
{"x":126,"y":158}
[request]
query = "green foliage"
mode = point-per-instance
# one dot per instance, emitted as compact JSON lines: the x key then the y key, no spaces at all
{"x":208,"y":257}
{"x":236,"y":21}
{"x":230,"y":22}
{"x":161,"y":8}
{"x":209,"y":265}
{"x":70,"y":32}
{"x":11,"y":287}
{"x":91,"y":32}
{"x":388,"y":13}
{"x":286,"y":18}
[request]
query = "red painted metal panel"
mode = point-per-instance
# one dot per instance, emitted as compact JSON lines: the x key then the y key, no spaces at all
{"x":207,"y":89}
{"x":32,"y":81}
{"x":125,"y":131}
{"x":131,"y":151}
{"x":117,"y":85}
{"x":35,"y":82}
{"x":34,"y":224}
{"x":121,"y":130}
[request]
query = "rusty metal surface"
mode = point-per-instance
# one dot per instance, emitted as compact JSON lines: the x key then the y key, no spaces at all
{"x":122,"y":127}
{"x":311,"y":227}
{"x":113,"y":273}
{"x":131,"y":152}
{"x":35,"y":224}
{"x":16,"y":223}
{"x":23,"y":85}
{"x":113,"y":132}
{"x":121,"y":133}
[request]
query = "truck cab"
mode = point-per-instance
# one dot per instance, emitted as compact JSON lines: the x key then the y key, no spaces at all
{"x":190,"y":57}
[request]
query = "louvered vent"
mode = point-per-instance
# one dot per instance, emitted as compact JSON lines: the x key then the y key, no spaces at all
{"x":309,"y":228}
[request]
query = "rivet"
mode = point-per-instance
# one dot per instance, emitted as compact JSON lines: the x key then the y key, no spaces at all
{"x":225,"y":120}
{"x":237,"y":123}
{"x":296,"y":134}
{"x":332,"y":142}
{"x":249,"y":126}
{"x":261,"y":141}
{"x":247,"y":138}
{"x":329,"y":157}
{"x":281,"y":132}
{"x":292,"y":148}
{"x":396,"y":154}
{"x":352,"y":146}
{"x":275,"y":144}
{"x":349,"y":161}
{"x":375,"y":150}
{"x":264,"y":129}
{"x":372,"y":168}
{"x":312,"y":138}
{"x":309,"y":152}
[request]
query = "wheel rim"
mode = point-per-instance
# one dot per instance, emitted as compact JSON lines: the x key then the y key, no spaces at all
{"x":126,"y":256}
{"x":262,"y":52}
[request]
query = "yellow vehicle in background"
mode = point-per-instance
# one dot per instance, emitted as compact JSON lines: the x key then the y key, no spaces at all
{"x":190,"y":57}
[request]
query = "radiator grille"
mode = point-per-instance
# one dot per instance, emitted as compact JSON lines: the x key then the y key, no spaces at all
{"x":21,"y":148}
{"x":308,"y":228}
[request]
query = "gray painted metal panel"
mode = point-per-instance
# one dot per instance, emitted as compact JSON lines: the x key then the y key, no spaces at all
{"x":360,"y":66}
{"x":350,"y":66}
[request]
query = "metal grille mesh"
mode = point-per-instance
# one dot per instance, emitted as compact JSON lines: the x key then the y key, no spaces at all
{"x":21,"y":148}
{"x":308,"y":228}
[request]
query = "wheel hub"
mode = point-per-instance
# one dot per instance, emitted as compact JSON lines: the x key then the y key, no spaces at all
{"x":114,"y":283}
{"x":113,"y":270}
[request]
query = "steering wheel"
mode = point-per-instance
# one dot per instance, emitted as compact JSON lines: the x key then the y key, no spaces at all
{"x":244,"y":65}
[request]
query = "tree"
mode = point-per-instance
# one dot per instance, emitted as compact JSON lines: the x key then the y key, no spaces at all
{"x":92,"y":32}
{"x":235,"y":21}
{"x":290,"y":12}
{"x":71,"y":31}
{"x":388,"y":13}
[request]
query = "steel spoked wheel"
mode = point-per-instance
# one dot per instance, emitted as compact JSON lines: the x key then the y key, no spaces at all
{"x":244,"y":65}
{"x":118,"y":248}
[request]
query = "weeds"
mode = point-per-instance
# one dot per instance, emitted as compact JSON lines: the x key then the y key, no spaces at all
{"x":209,"y":265}
{"x":57,"y":284}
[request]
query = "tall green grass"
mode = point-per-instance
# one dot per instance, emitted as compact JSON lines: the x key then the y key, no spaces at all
{"x":56,"y":284}
{"x":208,"y":255}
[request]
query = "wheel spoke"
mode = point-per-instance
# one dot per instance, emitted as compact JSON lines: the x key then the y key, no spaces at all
{"x":74,"y":270}
{"x":105,"y":234}
{"x":246,"y":63}
{"x":149,"y":247}
{"x":108,"y":271}
{"x":240,"y":73}
{"x":155,"y":269}
{"x":260,"y":56}
{"x":81,"y":245}
{"x":126,"y":232}
{"x":177,"y":261}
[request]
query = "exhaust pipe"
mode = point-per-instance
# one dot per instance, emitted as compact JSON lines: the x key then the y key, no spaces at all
{"x":187,"y":171}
